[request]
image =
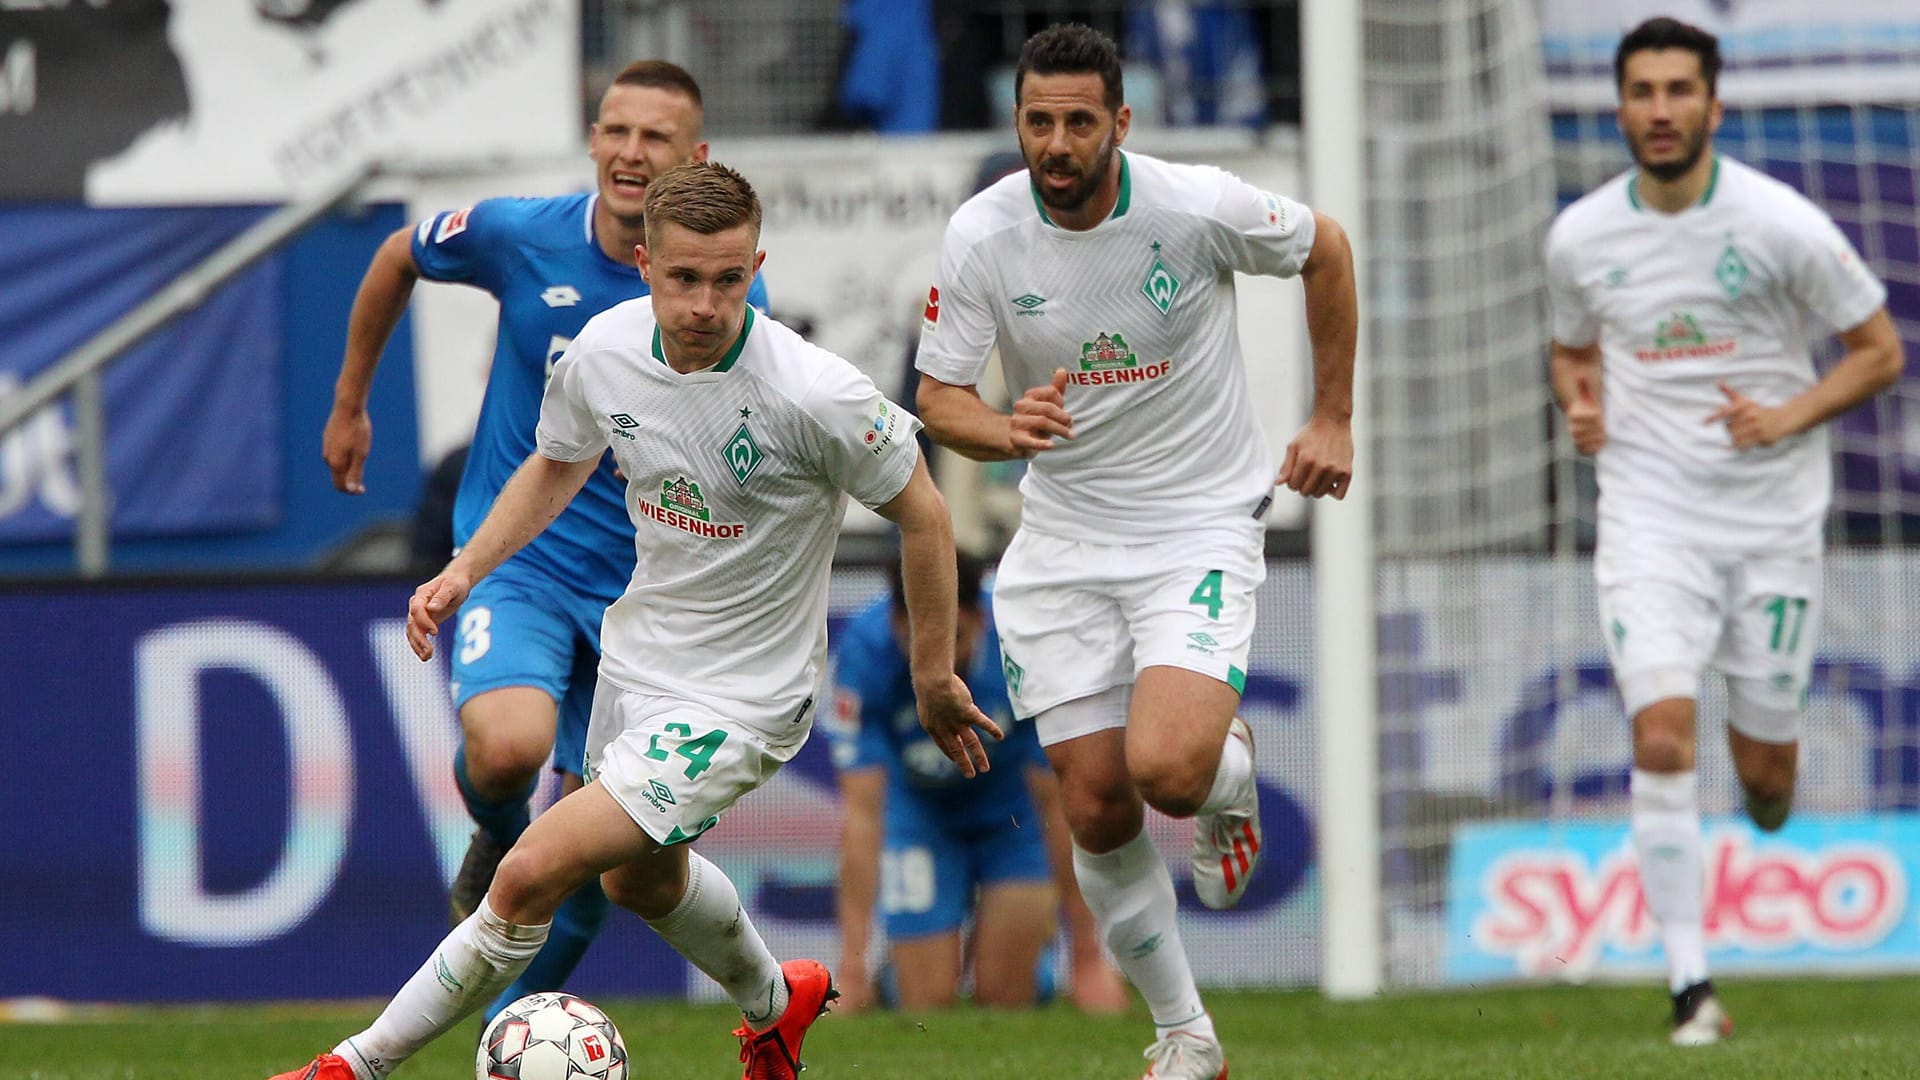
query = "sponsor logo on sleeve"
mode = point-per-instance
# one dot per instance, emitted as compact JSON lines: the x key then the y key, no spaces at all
{"x":452,"y":225}
{"x":879,"y":433}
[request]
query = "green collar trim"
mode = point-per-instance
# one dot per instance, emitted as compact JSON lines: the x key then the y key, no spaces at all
{"x":1713,"y":183}
{"x":726,"y":362}
{"x":1120,"y":204}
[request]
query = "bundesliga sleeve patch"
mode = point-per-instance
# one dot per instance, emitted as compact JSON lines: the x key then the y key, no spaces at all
{"x":452,"y":225}
{"x":931,"y":317}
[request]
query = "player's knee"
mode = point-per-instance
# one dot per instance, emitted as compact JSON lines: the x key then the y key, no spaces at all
{"x":1663,"y":736}
{"x":1101,"y":821}
{"x":527,"y":887}
{"x":501,"y":765}
{"x":1174,"y":786}
{"x":650,"y":896}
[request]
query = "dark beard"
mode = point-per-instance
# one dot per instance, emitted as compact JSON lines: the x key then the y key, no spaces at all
{"x":1667,"y":171}
{"x":1076,"y":196}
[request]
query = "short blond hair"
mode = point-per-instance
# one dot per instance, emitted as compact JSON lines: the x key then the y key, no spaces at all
{"x":704,"y":196}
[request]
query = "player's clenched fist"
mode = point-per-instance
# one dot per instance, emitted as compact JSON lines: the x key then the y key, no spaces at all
{"x":432,"y":604}
{"x":1319,"y":460}
{"x":1040,"y":416}
{"x":948,"y":713}
{"x":1583,"y":418}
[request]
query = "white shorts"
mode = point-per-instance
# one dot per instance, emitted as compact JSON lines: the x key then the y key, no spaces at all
{"x":673,"y":764}
{"x":1669,"y":612}
{"x":1078,"y":618}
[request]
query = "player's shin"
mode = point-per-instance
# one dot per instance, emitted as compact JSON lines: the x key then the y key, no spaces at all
{"x":711,"y":929}
{"x":471,"y":965}
{"x":575,"y":926}
{"x":1131,"y":896}
{"x":1668,"y":846}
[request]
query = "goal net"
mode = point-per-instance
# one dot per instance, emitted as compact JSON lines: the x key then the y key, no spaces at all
{"x":1504,"y":752}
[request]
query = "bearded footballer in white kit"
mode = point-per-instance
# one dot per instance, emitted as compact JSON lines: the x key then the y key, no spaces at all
{"x":739,"y":442}
{"x":1126,"y":599}
{"x":1684,"y":294}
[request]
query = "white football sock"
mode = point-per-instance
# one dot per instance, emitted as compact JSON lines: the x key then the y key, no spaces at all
{"x":1232,"y":781}
{"x":1671,"y":854}
{"x":1131,"y":896}
{"x":711,"y":929}
{"x":476,"y":961}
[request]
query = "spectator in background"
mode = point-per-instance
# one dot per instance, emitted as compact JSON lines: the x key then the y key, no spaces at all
{"x":889,"y":67}
{"x":1207,"y":54}
{"x":935,"y":849}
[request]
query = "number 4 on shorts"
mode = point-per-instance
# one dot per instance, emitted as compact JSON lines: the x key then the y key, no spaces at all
{"x":1207,"y":594}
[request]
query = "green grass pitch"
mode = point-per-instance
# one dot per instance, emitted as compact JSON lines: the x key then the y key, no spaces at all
{"x":1804,"y":1028}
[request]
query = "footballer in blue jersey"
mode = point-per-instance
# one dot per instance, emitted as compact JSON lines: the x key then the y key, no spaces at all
{"x":936,"y":849}
{"x":526,"y":648}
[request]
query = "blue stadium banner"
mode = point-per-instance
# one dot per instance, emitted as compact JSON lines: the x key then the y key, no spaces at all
{"x":234,"y":792}
{"x":1826,"y":894}
{"x":193,"y":414}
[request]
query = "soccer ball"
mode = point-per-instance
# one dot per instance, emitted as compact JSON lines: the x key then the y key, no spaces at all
{"x":551,"y":1037}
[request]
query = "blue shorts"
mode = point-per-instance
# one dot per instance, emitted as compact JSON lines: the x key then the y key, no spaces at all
{"x":515,"y":631}
{"x":929,"y":872}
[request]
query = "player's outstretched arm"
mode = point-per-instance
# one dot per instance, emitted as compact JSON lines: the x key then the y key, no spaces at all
{"x":539,"y":489}
{"x":927,"y":574}
{"x":956,"y":418}
{"x":1575,"y":374}
{"x":863,"y":798}
{"x":1873,"y":362}
{"x":1319,"y":460}
{"x":377,"y":307}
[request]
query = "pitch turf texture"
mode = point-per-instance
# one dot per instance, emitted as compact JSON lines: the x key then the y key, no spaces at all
{"x":1807,"y":1028}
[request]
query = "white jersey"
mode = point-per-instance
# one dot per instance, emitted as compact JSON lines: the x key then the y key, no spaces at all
{"x":1731,"y":289}
{"x":1140,"y":311}
{"x":737,"y":477}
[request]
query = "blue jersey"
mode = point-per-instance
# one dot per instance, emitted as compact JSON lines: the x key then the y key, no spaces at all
{"x":539,"y":258}
{"x":874,"y":725}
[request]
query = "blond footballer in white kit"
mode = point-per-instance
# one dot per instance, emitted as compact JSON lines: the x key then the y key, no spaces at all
{"x":1125,"y":601}
{"x":1684,"y":294}
{"x":740,"y":442}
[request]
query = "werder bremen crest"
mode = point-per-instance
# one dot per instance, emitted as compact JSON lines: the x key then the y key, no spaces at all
{"x":1160,"y":286}
{"x":742,"y":454}
{"x":1106,"y":352}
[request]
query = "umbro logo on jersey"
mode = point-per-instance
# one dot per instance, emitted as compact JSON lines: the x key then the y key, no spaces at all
{"x":561,"y":296}
{"x":621,"y":422}
{"x":1028,"y":303}
{"x":1616,"y":277}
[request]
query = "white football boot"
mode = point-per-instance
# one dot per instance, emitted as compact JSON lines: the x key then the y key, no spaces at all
{"x":1226,"y":845}
{"x":1183,"y":1055}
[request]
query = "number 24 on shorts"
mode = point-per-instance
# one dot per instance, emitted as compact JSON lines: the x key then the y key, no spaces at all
{"x":698,"y":752}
